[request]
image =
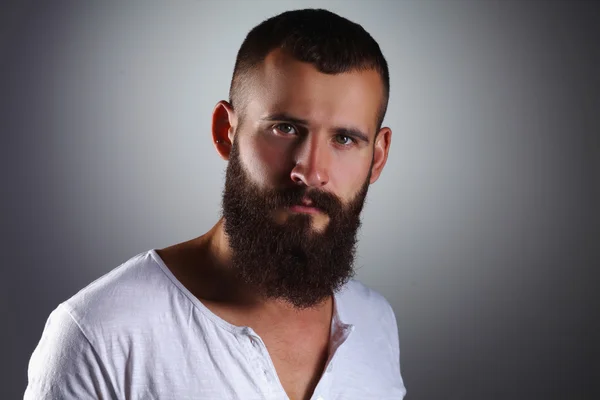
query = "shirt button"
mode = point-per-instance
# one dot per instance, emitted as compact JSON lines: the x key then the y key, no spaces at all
{"x":320,"y":398}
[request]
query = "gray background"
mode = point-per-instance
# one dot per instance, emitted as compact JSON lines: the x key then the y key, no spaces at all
{"x":483,"y":231}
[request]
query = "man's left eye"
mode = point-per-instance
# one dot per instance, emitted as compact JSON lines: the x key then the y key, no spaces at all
{"x":286,"y":128}
{"x":345,"y":140}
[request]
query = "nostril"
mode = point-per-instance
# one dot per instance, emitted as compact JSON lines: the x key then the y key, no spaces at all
{"x":297,"y":179}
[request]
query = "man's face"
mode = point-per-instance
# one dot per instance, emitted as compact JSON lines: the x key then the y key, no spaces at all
{"x":297,"y":178}
{"x":301,"y":127}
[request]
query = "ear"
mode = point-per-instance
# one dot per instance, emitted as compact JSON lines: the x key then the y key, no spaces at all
{"x":380,"y":152}
{"x":224,"y":123}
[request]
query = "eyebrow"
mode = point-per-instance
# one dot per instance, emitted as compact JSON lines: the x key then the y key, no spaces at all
{"x":344,"y":131}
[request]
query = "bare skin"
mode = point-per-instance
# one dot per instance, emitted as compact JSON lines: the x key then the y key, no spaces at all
{"x":300,"y":127}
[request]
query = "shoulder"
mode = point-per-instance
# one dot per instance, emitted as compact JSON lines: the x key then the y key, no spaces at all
{"x":127,"y":317}
{"x":131,"y":296}
{"x":64,"y":364}
{"x":374,"y":340}
{"x":368,"y":310}
{"x":358,"y":301}
{"x":87,"y":338}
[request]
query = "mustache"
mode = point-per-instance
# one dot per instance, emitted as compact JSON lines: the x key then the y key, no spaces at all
{"x":290,"y":196}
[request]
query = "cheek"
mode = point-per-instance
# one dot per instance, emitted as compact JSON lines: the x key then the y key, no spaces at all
{"x":266,"y":161}
{"x":349,"y":174}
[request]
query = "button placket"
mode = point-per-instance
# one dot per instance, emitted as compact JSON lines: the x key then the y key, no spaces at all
{"x":340,"y":334}
{"x":257,"y":349}
{"x":263,"y":365}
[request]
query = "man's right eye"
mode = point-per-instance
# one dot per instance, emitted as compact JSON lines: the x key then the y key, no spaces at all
{"x":287,"y":129}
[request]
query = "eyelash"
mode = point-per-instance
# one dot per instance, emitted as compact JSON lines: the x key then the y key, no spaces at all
{"x":352,"y":140}
{"x":277,"y":126}
{"x":286,"y":124}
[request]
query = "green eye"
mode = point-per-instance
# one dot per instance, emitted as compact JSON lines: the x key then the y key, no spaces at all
{"x":286,"y":128}
{"x":345,"y":140}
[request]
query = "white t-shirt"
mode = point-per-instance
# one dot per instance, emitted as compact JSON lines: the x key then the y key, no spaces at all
{"x":138,"y":333}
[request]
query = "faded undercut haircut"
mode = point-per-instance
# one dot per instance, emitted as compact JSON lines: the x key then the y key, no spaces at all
{"x":326,"y":40}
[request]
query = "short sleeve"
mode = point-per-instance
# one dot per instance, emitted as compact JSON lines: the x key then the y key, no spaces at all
{"x":64,"y":365}
{"x":393,"y":331}
{"x":395,"y":343}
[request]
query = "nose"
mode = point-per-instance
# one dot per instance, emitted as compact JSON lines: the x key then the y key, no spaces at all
{"x":312,"y":163}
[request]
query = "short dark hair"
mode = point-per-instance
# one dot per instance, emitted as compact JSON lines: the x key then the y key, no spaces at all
{"x":328,"y":41}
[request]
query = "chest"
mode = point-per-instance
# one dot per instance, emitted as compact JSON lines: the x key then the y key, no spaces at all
{"x":298,"y":364}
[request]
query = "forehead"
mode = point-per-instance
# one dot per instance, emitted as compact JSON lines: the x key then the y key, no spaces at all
{"x":285,"y":85}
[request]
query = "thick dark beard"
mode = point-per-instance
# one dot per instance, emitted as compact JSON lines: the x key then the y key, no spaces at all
{"x":289,"y":261}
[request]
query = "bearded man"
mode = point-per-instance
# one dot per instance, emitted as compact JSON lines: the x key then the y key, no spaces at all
{"x":263,"y":305}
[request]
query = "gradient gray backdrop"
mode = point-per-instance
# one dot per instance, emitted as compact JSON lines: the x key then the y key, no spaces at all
{"x":483,"y":231}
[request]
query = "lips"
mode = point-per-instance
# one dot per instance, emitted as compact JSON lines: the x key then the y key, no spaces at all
{"x":301,"y":208}
{"x":306,"y":206}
